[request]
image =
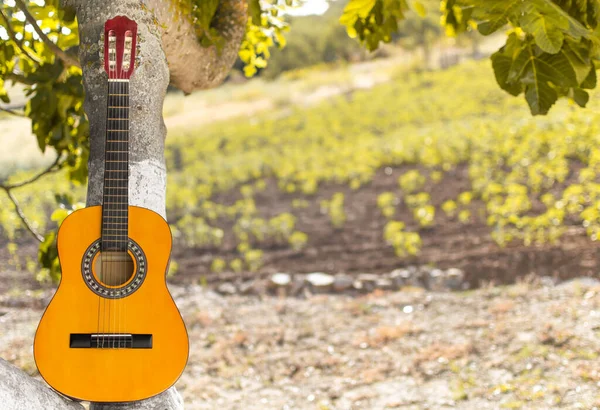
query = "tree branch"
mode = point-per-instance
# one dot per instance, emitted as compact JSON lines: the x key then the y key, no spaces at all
{"x":19,"y":78}
{"x":12,"y":112}
{"x":55,"y":166}
{"x":192,"y":66}
{"x":66,"y":58}
{"x":23,"y":218}
{"x":19,"y":43}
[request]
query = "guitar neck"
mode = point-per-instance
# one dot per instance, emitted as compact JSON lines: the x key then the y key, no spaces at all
{"x":116,"y":169}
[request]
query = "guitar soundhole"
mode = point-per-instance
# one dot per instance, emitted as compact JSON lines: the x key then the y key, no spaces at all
{"x":114,"y":268}
{"x":122,"y":274}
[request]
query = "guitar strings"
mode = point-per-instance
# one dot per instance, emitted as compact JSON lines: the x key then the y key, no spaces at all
{"x":105,"y":207}
{"x":112,"y":318}
{"x":123,"y":156}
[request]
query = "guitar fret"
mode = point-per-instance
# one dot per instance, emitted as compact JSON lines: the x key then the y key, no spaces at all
{"x":115,"y":211}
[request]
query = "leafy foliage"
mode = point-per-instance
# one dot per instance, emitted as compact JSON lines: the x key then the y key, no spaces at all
{"x":54,"y":89}
{"x":266,"y":27}
{"x":550,"y":50}
{"x":549,"y":53}
{"x":528,"y":179}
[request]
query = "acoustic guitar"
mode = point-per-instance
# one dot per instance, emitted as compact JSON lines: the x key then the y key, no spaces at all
{"x":112,"y":332}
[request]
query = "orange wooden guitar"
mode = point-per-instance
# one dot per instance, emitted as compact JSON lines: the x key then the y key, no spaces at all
{"x":112,"y":332}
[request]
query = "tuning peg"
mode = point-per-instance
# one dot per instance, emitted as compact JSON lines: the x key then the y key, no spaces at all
{"x":138,"y":62}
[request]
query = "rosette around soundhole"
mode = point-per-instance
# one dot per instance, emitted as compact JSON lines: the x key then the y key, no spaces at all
{"x":107,"y":292}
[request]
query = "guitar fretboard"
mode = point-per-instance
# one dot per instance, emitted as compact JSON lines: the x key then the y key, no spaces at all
{"x":116,"y":172}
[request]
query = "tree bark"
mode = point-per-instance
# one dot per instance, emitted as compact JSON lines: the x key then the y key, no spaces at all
{"x":190,"y":67}
{"x":148,"y":86}
{"x":193,"y":67}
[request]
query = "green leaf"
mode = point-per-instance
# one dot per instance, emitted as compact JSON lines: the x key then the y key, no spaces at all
{"x":579,"y":58}
{"x":420,"y":8}
{"x":373,"y":21}
{"x":255,"y":12}
{"x":502,"y":61}
{"x":580,"y":97}
{"x":541,"y":74}
{"x":492,"y":15}
{"x":545,"y":24}
{"x":48,"y":255}
{"x":59,"y":215}
{"x":3,"y":95}
{"x":590,"y":82}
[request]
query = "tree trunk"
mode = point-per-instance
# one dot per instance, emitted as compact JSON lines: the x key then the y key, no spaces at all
{"x":148,"y":86}
{"x":161,"y":30}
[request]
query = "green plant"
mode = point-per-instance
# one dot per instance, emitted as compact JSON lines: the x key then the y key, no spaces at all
{"x":411,"y":181}
{"x":404,"y":243}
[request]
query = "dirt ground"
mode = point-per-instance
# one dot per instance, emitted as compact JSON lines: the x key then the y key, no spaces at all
{"x":525,"y":346}
{"x":360,"y":247}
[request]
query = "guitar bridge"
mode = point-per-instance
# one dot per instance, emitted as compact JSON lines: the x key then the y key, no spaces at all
{"x":110,"y":341}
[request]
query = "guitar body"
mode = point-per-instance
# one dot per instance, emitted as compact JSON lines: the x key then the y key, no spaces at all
{"x":123,"y":347}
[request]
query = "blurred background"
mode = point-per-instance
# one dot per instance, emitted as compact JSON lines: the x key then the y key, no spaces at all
{"x":357,"y":230}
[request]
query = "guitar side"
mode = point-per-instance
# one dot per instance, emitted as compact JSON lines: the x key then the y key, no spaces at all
{"x":117,"y":374}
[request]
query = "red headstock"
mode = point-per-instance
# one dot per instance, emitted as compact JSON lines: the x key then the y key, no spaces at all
{"x":120,"y":39}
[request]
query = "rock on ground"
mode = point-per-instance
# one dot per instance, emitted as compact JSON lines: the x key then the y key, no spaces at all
{"x":169,"y":400}
{"x":18,"y":390}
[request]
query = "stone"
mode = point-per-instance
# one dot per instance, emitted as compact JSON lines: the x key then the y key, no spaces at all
{"x":168,"y":400}
{"x":368,"y":281}
{"x":320,"y":282}
{"x":435,"y":280}
{"x":455,"y":280}
{"x":247,"y":288}
{"x":280,"y":280}
{"x":342,"y":283}
{"x":226,"y":288}
{"x":385,"y":284}
{"x":584,"y":282}
{"x":18,"y":390}
{"x":298,"y":285}
{"x":416,"y":277}
{"x":400,"y":277}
